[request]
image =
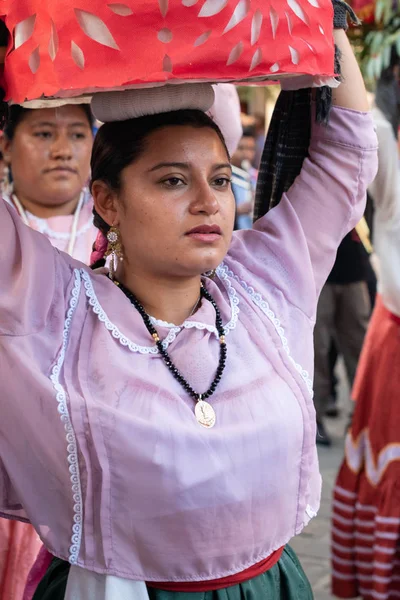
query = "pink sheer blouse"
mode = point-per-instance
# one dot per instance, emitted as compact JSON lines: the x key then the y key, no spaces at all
{"x":99,"y":446}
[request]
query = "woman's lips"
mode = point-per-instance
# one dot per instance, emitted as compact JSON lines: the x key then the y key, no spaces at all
{"x":205,"y":237}
{"x":205,"y":233}
{"x":58,"y":170}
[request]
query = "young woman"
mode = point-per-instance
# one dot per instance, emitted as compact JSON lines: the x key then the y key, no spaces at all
{"x":366,"y":515}
{"x":159,"y":431}
{"x":48,"y":155}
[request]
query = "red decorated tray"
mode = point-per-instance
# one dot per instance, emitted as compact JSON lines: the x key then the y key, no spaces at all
{"x":64,"y":47}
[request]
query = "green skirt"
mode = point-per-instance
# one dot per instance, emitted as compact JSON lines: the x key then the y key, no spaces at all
{"x":285,"y":581}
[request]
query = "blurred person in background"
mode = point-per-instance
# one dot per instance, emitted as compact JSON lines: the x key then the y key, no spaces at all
{"x":244,"y":178}
{"x":47,"y":157}
{"x":260,"y":133}
{"x":226,"y":113}
{"x":366,"y":507}
{"x":343,"y":313}
{"x":245,"y":154}
{"x":47,"y":152}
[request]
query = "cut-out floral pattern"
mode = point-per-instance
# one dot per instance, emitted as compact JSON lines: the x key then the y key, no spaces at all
{"x":53,"y":42}
{"x":121,"y":9}
{"x":165,"y":35}
{"x":257,"y":58}
{"x":95,"y":28}
{"x":24,"y":30}
{"x":163,"y":4}
{"x":167,"y":64}
{"x":77,"y":55}
{"x":256,"y":25}
{"x":273,"y":15}
{"x":34,"y":60}
{"x":235,"y":54}
{"x":240,"y":13}
{"x":212,"y":7}
{"x":202,"y":38}
{"x":295,"y":55}
{"x":65,"y":48}
{"x":289,"y":22}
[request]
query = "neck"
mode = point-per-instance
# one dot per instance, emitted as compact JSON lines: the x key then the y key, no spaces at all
{"x":170,"y":300}
{"x":43,"y":211}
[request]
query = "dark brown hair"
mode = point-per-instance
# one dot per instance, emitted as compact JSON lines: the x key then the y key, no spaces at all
{"x":121,"y":143}
{"x":17,"y":113}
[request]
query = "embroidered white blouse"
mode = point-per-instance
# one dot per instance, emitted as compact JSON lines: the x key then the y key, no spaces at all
{"x":99,"y":446}
{"x":385,"y":191}
{"x":58,"y":230}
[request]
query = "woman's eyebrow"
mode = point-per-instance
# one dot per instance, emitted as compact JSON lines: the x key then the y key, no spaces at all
{"x":181,"y":165}
{"x":178,"y":165}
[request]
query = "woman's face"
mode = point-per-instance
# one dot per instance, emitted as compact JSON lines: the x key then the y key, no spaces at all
{"x":176,"y":208}
{"x":50,"y":155}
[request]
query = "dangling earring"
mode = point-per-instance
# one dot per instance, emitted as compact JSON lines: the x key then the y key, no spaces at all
{"x":114,"y":249}
{"x":7,"y":186}
{"x":210,"y":274}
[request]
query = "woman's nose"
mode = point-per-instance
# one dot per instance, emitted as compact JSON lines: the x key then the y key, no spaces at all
{"x":61,"y":148}
{"x":205,"y":200}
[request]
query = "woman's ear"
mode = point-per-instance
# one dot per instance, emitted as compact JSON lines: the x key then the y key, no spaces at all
{"x":105,"y":202}
{"x":5,"y":147}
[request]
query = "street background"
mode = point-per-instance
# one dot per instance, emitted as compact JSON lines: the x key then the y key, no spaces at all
{"x":313,"y":545}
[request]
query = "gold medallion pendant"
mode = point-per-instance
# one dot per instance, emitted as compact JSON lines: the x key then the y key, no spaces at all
{"x":205,"y":414}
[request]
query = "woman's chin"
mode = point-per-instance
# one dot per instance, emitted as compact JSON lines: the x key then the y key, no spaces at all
{"x":207,"y":268}
{"x":210,"y":260}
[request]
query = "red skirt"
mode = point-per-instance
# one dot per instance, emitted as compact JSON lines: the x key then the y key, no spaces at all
{"x":366,"y":505}
{"x":19,"y":547}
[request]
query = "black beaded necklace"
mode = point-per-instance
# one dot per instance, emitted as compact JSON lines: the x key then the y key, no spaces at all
{"x":204,"y":412}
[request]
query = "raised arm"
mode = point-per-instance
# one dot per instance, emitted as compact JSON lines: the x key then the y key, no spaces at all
{"x":33,"y":277}
{"x":351,"y":92}
{"x":293,"y":247}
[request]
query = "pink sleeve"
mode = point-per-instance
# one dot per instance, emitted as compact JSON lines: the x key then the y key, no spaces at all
{"x":293,"y":247}
{"x":35,"y":286}
{"x":34,"y":278}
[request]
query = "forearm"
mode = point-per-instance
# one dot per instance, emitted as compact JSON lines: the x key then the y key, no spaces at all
{"x":351,"y":93}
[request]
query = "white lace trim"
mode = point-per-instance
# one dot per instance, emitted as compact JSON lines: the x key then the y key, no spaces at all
{"x":222,"y":272}
{"x":115,"y":332}
{"x":310,"y":512}
{"x":185,"y":325}
{"x":264,"y":306}
{"x":72,"y":447}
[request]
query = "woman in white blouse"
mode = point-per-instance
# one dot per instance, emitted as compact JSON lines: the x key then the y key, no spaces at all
{"x":366,"y":516}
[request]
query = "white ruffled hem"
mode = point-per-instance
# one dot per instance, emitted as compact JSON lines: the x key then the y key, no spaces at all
{"x":83,"y":584}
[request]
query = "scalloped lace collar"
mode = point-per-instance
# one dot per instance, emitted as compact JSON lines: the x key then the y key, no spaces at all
{"x":174,"y":330}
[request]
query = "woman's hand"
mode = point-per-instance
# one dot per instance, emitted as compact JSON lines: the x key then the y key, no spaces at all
{"x":351,"y":92}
